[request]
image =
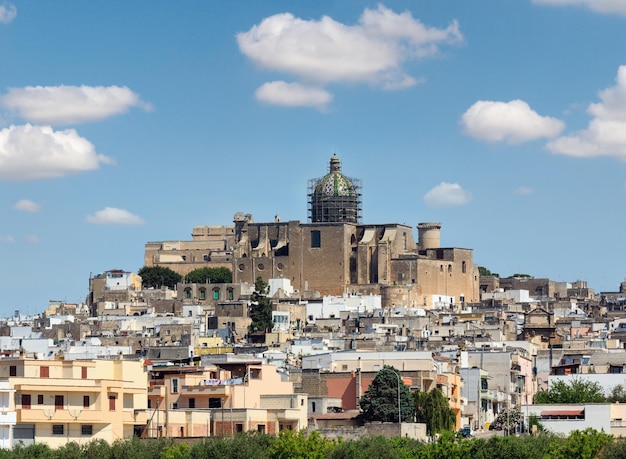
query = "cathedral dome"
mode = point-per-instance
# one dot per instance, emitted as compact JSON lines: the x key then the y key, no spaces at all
{"x":335,"y":183}
{"x":335,"y":197}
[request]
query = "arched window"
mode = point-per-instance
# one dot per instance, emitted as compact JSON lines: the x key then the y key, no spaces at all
{"x":203,"y":294}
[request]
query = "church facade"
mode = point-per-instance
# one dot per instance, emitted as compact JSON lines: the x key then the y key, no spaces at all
{"x":333,"y":253}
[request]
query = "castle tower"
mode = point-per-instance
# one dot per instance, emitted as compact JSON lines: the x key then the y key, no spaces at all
{"x":334,"y":197}
{"x":428,"y":235}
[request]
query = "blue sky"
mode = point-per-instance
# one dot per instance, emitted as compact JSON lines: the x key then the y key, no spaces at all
{"x":127,"y":122}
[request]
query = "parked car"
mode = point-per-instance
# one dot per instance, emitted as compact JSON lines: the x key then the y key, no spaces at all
{"x":465,"y":432}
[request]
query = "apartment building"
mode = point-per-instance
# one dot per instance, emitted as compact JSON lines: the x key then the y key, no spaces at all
{"x":222,"y":400}
{"x":61,"y":401}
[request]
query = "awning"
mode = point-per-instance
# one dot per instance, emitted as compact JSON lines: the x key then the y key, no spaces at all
{"x":562,"y":413}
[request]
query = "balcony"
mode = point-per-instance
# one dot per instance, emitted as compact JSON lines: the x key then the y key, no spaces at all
{"x":79,"y":416}
{"x":216,"y":390}
{"x":8,"y":417}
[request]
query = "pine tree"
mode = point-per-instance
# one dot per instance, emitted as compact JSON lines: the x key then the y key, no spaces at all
{"x":432,"y":408}
{"x":380,"y":401}
{"x":260,"y":308}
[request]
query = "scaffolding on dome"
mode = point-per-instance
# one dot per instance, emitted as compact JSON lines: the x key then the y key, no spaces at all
{"x":334,"y":207}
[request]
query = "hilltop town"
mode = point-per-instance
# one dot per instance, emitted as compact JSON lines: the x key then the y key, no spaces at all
{"x":294,"y":326}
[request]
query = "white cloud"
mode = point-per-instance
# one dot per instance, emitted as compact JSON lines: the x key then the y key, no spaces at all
{"x":524,"y":190}
{"x":599,"y":6}
{"x":31,"y":239}
{"x":26,"y":205}
{"x":8,"y":12}
{"x":36,"y":152}
{"x":293,"y":95}
{"x":513,"y":121}
{"x":446,"y":195}
{"x":605,"y":134}
{"x":8,"y":239}
{"x":327,"y":51}
{"x":70,"y":104}
{"x":114,"y":216}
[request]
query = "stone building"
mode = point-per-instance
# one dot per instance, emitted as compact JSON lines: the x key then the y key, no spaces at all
{"x":333,"y":253}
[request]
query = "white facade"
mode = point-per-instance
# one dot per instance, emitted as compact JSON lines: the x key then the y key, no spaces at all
{"x":370,"y":361}
{"x":8,"y":417}
{"x":515,"y":296}
{"x":280,"y":284}
{"x":565,"y":418}
{"x":332,"y":306}
{"x":119,"y":280}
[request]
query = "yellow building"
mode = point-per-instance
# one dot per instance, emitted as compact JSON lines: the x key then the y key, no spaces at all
{"x":61,"y":401}
{"x":223,"y":399}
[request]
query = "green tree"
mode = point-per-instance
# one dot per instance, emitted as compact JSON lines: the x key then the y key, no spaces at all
{"x":521,"y":275}
{"x":577,"y":391}
{"x":583,"y":444}
{"x":299,"y":445}
{"x":433,"y":409}
{"x":260,"y":308}
{"x":535,"y":420}
{"x":618,"y":394}
{"x":157,"y":276}
{"x":380,"y":401}
{"x":482,"y":271}
{"x":212,"y":275}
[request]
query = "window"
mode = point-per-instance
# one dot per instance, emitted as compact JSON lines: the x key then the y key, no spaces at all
{"x":187,"y":293}
{"x":26,"y":401}
{"x":230,"y":294}
{"x":192,"y":403}
{"x":111,"y":402}
{"x":238,"y":428}
{"x":12,"y":370}
{"x":261,"y":428}
{"x":215,"y":402}
{"x":202,"y":294}
{"x":463,"y":267}
{"x":255,"y":373}
{"x":174,"y":385}
{"x":86,"y":429}
{"x":83,"y":372}
{"x":86,"y":401}
{"x":57,"y":429}
{"x":216,"y":294}
{"x":149,"y":403}
{"x":58,"y":402}
{"x":40,"y":399}
{"x":44,"y":372}
{"x":175,"y":405}
{"x":316,"y":239}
